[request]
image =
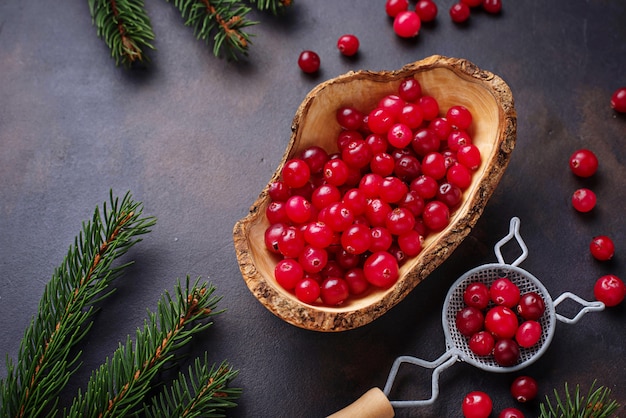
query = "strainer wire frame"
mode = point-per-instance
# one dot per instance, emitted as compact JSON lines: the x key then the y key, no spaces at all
{"x":456,"y":344}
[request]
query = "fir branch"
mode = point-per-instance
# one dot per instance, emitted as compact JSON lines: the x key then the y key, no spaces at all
{"x":596,"y":404}
{"x":275,"y":6}
{"x":118,"y":387}
{"x":43,"y":365}
{"x":203,"y":393}
{"x":125,"y":27}
{"x":221,"y":21}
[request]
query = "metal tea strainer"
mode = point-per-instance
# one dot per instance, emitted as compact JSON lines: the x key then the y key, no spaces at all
{"x":456,"y":344}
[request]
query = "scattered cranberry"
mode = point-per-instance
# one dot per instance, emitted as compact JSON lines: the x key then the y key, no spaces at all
{"x":472,"y":3}
{"x":584,"y":200}
{"x":426,"y":10}
{"x":348,"y":45}
{"x":459,"y":12}
{"x":610,"y":290}
{"x":524,"y":389}
{"x":477,"y":404}
{"x":492,"y":6}
{"x":309,"y":62}
{"x":469,"y":321}
{"x":393,"y":7}
{"x":583,"y":163}
{"x":602,"y":248}
{"x":407,"y":24}
{"x":511,"y":413}
{"x":618,"y":100}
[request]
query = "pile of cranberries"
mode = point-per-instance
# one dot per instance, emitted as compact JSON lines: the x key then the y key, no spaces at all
{"x":498,"y":320}
{"x":342,"y":222}
{"x":478,"y":404}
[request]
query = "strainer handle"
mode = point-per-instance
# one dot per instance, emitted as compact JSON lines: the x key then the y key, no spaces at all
{"x":587,"y":307}
{"x":446,"y":360}
{"x":513,"y":233}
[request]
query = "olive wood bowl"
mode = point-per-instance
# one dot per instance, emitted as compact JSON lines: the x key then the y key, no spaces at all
{"x":452,"y":81}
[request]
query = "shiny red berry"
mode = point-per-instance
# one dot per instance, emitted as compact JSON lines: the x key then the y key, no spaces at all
{"x":393,"y":7}
{"x":476,"y":295}
{"x":524,"y":388}
{"x":348,"y":45}
{"x":610,"y":290}
{"x":584,"y":200}
{"x":618,"y":100}
{"x":426,"y":9}
{"x":407,"y":24}
{"x":504,"y":292}
{"x":602,"y":248}
{"x":492,"y":6}
{"x":477,"y":404}
{"x":511,"y":413}
{"x":531,"y":306}
{"x":583,"y":163}
{"x":309,"y":62}
{"x":459,"y":12}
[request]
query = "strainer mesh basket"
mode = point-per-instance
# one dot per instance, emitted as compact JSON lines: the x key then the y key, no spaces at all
{"x":487,"y":274}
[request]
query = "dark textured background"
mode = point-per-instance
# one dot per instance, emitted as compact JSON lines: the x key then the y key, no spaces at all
{"x":196,"y":138}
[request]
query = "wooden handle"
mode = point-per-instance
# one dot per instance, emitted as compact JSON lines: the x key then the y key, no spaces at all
{"x":373,"y":404}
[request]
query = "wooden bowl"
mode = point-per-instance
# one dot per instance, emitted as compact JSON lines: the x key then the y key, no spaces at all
{"x":451,"y":81}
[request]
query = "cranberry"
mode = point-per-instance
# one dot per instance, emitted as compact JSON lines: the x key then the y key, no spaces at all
{"x":357,"y":283}
{"x":380,"y":239}
{"x":410,"y":243}
{"x":511,"y":413}
{"x":610,"y":290}
{"x":528,"y":334}
{"x":426,"y":10}
{"x":350,"y":118}
{"x":356,"y":153}
{"x":296,"y":173}
{"x":380,"y":120}
{"x":336,"y":172}
{"x":425,"y":141}
{"x":469,"y":321}
{"x":602,"y":248}
{"x":381,"y":269}
{"x":472,"y":3}
{"x":506,"y":352}
{"x":469,"y":156}
{"x":583,"y":163}
{"x":291,"y":242}
{"x":618,"y":100}
{"x":482,"y":343}
{"x":436,"y":215}
{"x":313,"y":259}
{"x":393,"y":7}
{"x":524,"y":388}
{"x":309,"y":62}
{"x":476,"y":295}
{"x":492,"y":6}
{"x":531,"y":306}
{"x":434,"y":165}
{"x":307,"y":290}
{"x":459,"y":12}
{"x":459,"y":117}
{"x":348,"y":45}
{"x":356,"y":239}
{"x":392,"y":189}
{"x":319,"y":234}
{"x":334,"y":291}
{"x":272,"y":235}
{"x":410,"y":90}
{"x":400,"y":135}
{"x":504,"y":292}
{"x":425,"y":186}
{"x":501,"y":322}
{"x":288,"y":272}
{"x":459,"y":175}
{"x":407,"y":24}
{"x":430,"y":107}
{"x":584,"y":200}
{"x":477,"y":404}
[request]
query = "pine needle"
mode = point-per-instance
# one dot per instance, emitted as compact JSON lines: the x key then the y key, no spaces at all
{"x":125,"y":28}
{"x":120,"y":386}
{"x":595,"y":404}
{"x":44,"y":364}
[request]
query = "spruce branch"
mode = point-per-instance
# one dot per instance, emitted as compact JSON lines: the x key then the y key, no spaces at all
{"x":275,"y":6}
{"x":202,"y":393}
{"x":125,"y":27}
{"x":595,"y":404}
{"x":118,"y":388}
{"x":220,"y":21}
{"x":66,"y":307}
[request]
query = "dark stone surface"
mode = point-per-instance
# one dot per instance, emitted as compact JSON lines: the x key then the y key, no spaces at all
{"x":196,"y":138}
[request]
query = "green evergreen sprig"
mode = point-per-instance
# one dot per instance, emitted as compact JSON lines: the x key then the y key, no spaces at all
{"x":123,"y":385}
{"x":221,"y":22}
{"x":595,"y":404}
{"x":120,"y":386}
{"x":44,"y":364}
{"x":125,"y":28}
